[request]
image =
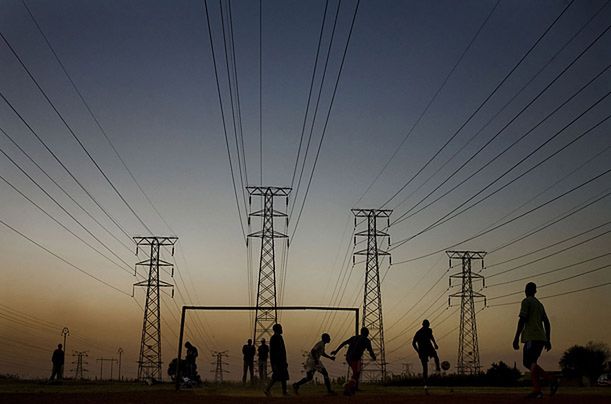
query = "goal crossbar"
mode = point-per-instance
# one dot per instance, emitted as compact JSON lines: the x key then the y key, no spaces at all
{"x":183,"y":316}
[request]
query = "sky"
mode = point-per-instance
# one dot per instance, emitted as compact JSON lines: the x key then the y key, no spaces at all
{"x":435,"y":106}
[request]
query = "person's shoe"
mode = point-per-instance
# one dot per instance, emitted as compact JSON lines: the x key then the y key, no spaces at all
{"x":535,"y":394}
{"x":296,"y":388}
{"x":267,"y":393}
{"x":553,"y":387}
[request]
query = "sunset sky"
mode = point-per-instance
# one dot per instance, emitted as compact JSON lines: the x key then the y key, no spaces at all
{"x":423,"y":88}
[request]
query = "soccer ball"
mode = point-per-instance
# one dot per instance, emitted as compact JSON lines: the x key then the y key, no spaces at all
{"x":445,"y":365}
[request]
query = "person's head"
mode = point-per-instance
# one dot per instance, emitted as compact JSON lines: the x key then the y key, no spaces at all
{"x":277,"y":328}
{"x":426,"y":324}
{"x":249,"y":341}
{"x":262,"y":341}
{"x":326,"y":338}
{"x":365,"y":332}
{"x":188,"y":345}
{"x":59,"y":346}
{"x":530,"y":289}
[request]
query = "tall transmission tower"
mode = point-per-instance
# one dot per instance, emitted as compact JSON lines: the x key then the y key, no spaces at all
{"x":468,"y":347}
{"x":372,"y":298}
{"x":149,"y":362}
{"x":80,"y":368}
{"x":266,"y":314}
{"x":218,"y":366}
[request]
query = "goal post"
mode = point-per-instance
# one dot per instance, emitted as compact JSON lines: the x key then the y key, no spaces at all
{"x":185,"y":309}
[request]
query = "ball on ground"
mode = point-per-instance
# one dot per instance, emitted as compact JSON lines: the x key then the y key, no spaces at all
{"x":445,"y":365}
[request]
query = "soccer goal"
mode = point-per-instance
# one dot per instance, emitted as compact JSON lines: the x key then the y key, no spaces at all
{"x":186,"y":309}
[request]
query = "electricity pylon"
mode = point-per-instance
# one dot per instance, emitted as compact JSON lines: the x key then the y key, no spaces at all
{"x":372,"y":299}
{"x":218,"y":366}
{"x":78,"y":371}
{"x":266,"y":314}
{"x":149,"y":362}
{"x":468,"y":347}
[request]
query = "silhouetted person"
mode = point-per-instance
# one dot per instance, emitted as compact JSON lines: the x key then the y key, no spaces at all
{"x":263,"y":354}
{"x":535,"y":329}
{"x":58,"y":363}
{"x":248,"y":351}
{"x":356,"y":347}
{"x":424,"y":343}
{"x":190,"y":359}
{"x":313,"y":364}
{"x":277,"y":358}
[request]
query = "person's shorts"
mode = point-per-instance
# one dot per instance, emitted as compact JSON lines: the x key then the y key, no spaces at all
{"x":311,"y":366}
{"x":428,"y":353}
{"x":532,"y":351}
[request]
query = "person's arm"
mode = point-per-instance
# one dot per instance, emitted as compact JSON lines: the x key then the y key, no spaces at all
{"x":370,"y":350}
{"x":548,"y":332}
{"x":340,"y":346}
{"x":516,"y":339}
{"x":434,"y":342}
{"x":415,"y":345}
{"x":328,"y":356}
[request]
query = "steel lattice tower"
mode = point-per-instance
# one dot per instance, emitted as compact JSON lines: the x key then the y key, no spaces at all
{"x":468,"y":348}
{"x":78,"y":371}
{"x":149,"y":362}
{"x":266,"y":314}
{"x":219,"y":363}
{"x":372,"y":297}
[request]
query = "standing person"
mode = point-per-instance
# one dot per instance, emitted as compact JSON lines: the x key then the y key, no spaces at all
{"x":424,"y":343}
{"x":535,"y":329}
{"x":313,"y":364}
{"x":190,"y":359}
{"x":263,"y":354}
{"x":277,"y":358}
{"x":58,"y":363}
{"x":356,"y":347}
{"x":248,"y":351}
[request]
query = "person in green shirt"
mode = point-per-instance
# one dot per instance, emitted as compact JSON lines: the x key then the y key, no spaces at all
{"x":535,"y":329}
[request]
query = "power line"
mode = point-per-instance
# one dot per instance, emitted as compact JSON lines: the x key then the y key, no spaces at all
{"x":482,"y":104}
{"x":557,"y":219}
{"x":95,"y":163}
{"x":318,"y":97}
{"x":237,"y":90}
{"x":519,"y":217}
{"x":324,"y":130}
{"x":44,"y":144}
{"x":551,"y":245}
{"x":448,"y":216}
{"x":305,"y":116}
{"x":260,"y":89}
{"x":218,"y":88}
{"x":548,"y":256}
{"x":562,"y":268}
{"x":92,"y":217}
{"x":93,"y":116}
{"x":405,"y":215}
{"x":433,"y":98}
{"x":66,"y":228}
{"x":600,"y":285}
{"x":555,"y":282}
{"x":233,"y":108}
{"x":63,"y":259}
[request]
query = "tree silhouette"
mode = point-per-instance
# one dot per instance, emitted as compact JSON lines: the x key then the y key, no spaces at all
{"x":585,"y":361}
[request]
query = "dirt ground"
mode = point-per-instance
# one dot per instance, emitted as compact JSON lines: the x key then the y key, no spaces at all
{"x":128,"y":393}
